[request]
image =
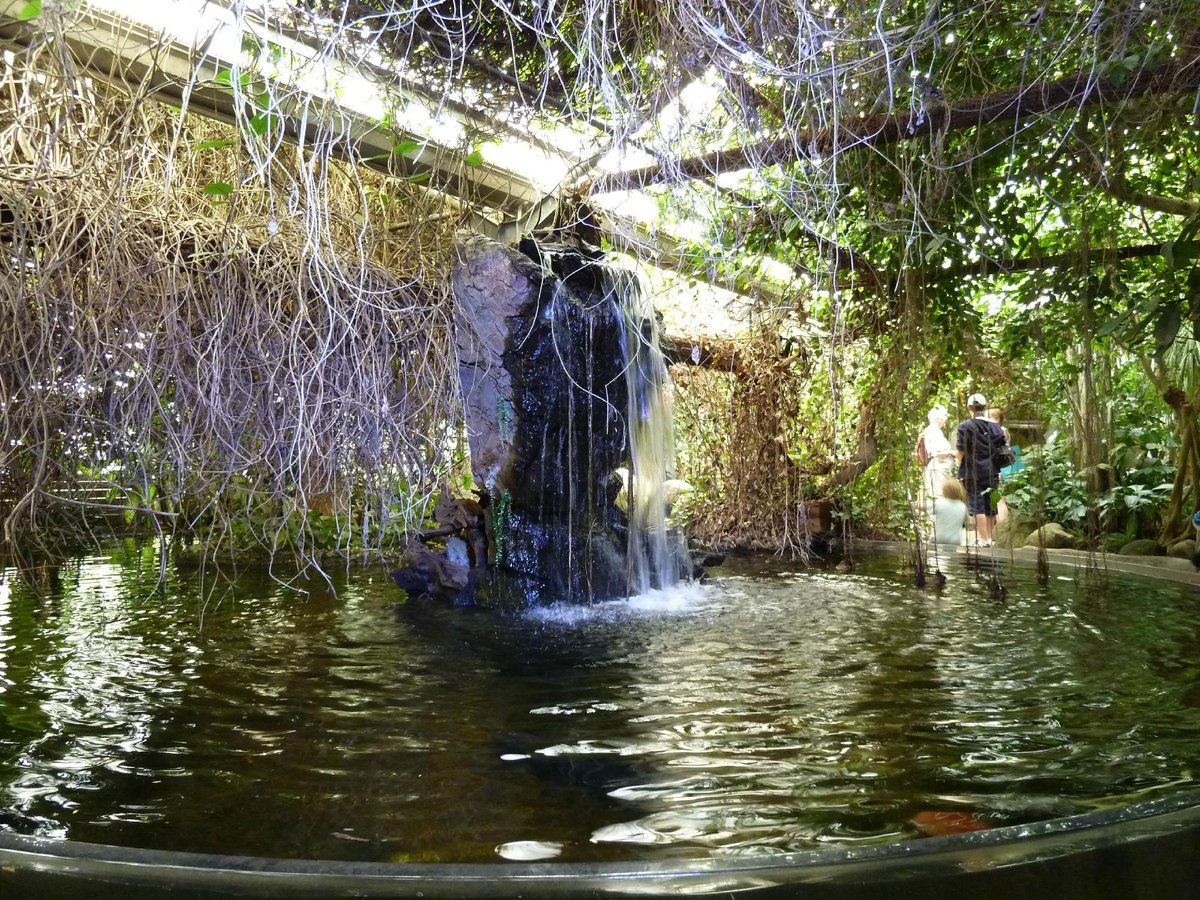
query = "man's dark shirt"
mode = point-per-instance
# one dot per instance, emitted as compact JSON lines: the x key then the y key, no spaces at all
{"x":977,"y":439}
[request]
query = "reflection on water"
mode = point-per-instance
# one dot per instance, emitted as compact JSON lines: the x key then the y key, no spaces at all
{"x":770,"y":711}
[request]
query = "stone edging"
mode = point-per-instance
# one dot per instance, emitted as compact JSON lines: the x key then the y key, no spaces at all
{"x":1165,"y":568}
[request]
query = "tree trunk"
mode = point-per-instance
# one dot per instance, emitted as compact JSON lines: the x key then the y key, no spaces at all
{"x":1187,"y":472}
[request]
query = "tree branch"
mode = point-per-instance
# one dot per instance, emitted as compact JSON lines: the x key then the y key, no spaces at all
{"x":1083,"y":88}
{"x":1170,"y":205}
{"x":720,"y":354}
{"x":1114,"y":181}
{"x":1059,"y":260}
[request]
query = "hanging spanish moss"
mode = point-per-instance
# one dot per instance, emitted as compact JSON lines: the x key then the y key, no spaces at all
{"x":266,"y":367}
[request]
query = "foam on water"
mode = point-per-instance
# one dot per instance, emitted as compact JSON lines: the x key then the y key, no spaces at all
{"x":678,"y":599}
{"x":526,"y":851}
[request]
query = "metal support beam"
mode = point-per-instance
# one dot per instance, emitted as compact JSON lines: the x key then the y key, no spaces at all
{"x":130,"y":55}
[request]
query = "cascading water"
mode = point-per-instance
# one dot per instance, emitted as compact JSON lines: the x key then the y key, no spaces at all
{"x":564,"y":387}
{"x":656,"y":552}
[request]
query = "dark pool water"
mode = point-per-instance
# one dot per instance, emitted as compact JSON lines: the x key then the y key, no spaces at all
{"x":774,"y":709}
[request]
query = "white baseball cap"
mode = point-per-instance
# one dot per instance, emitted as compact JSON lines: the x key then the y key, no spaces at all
{"x":976,"y":401}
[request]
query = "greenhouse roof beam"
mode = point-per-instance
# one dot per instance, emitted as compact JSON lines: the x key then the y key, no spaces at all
{"x":116,"y":50}
{"x":660,"y":249}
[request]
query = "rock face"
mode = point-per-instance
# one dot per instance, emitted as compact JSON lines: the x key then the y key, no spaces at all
{"x":541,"y":347}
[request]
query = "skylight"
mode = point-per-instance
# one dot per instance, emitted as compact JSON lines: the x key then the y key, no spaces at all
{"x":214,"y":35}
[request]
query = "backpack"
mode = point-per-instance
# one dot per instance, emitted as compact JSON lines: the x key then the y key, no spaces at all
{"x":1002,"y":455}
{"x":920,"y":452}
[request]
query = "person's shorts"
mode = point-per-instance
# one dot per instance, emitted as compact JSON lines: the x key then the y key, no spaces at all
{"x":979,"y":497}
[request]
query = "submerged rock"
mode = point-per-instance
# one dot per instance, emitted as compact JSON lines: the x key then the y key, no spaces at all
{"x":703,"y":560}
{"x":430,"y":574}
{"x":936,"y":824}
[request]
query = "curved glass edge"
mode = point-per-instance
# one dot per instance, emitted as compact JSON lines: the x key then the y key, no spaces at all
{"x":925,"y":859}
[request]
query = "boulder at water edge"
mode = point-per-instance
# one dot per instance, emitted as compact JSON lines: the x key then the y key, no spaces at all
{"x":1183,"y":549}
{"x":1141,"y":547}
{"x":1052,"y":536}
{"x":1012,"y":531}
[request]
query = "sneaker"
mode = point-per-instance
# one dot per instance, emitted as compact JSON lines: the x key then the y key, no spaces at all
{"x":985,"y":543}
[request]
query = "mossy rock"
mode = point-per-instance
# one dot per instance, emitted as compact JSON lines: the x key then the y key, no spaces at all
{"x":1141,"y":547}
{"x":1052,"y":536}
{"x":1112,"y":543}
{"x":1183,"y":549}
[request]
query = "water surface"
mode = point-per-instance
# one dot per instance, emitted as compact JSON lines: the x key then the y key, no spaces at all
{"x":774,"y":709}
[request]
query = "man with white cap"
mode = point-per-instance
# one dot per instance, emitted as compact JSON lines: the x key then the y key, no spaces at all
{"x":976,"y":442}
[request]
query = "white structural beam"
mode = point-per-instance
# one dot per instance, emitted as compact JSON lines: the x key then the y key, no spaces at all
{"x":183,"y":53}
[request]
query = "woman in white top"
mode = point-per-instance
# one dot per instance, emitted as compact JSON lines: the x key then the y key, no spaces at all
{"x":941,"y":453}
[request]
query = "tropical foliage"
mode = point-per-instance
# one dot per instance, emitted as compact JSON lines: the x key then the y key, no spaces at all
{"x":920,"y":198}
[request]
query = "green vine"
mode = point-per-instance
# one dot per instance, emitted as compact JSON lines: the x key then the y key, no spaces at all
{"x":500,"y":522}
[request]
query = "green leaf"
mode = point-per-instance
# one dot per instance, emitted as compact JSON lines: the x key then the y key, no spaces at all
{"x":1166,"y":329}
{"x":261,"y":123}
{"x":218,"y":189}
{"x":213,"y":145}
{"x":403,"y":148}
{"x":30,"y":10}
{"x":419,"y":178}
{"x":1117,"y":75}
{"x":1185,"y":252}
{"x":1190,"y":226}
{"x":224,"y":78}
{"x":1112,"y":325}
{"x":474,"y":159}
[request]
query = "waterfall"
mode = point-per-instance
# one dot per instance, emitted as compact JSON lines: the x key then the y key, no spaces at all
{"x":564,"y":387}
{"x":656,"y":553}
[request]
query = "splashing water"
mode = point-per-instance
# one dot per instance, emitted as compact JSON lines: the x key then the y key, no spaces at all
{"x":656,"y":552}
{"x":679,"y":599}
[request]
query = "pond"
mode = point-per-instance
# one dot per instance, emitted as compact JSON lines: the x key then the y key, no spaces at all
{"x":775,"y":708}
